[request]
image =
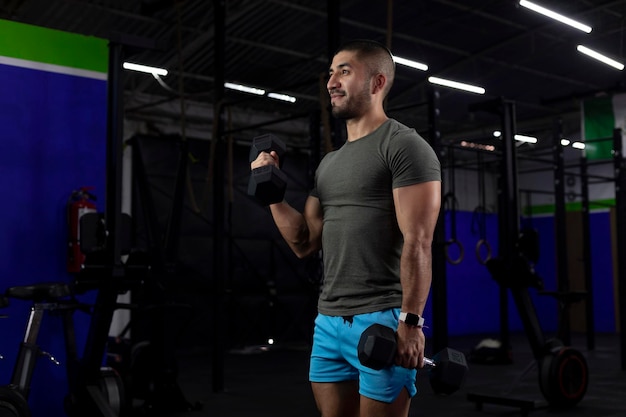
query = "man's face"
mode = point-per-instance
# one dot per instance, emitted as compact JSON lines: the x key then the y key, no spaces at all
{"x":348,"y":86}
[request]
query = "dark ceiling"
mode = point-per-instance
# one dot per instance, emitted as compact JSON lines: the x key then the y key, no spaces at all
{"x":283,"y":46}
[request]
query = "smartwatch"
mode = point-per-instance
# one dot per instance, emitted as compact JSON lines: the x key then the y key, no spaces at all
{"x":411,"y":319}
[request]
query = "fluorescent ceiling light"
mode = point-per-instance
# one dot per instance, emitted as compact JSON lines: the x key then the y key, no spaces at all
{"x":556,"y":16}
{"x":457,"y":85}
{"x":283,"y":97}
{"x":144,"y":68}
{"x":520,"y":138}
{"x":578,"y":145}
{"x":245,"y":89}
{"x":259,"y":92}
{"x":409,"y":63}
{"x":524,"y":138}
{"x":602,"y":58}
{"x":565,"y":142}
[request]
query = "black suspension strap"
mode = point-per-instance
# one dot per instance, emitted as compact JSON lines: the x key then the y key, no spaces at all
{"x":479,"y":218}
{"x":450,"y":203}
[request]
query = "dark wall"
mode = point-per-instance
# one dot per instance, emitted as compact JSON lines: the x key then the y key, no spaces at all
{"x":267,"y":291}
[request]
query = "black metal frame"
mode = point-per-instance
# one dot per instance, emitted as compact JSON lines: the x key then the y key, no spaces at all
{"x":620,"y":218}
{"x":86,"y":392}
{"x":619,"y":180}
{"x":439,"y":289}
{"x":586,"y":232}
{"x":219,"y":234}
{"x":560,"y":221}
{"x":508,"y":204}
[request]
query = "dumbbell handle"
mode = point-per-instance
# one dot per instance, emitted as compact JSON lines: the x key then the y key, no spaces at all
{"x":429,"y":362}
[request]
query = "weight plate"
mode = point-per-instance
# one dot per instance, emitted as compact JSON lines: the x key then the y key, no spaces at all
{"x":112,"y":388}
{"x":12,"y":404}
{"x":563,"y":377}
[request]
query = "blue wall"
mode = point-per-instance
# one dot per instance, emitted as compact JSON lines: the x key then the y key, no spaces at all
{"x":602,"y":273}
{"x":473,"y":296}
{"x":52,"y":141}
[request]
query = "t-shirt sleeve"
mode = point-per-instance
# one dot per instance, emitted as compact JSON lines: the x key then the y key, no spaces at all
{"x":412,"y":160}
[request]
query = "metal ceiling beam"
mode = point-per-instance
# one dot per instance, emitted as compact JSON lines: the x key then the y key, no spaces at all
{"x":470,"y":57}
{"x":534,"y":30}
{"x":204,"y":37}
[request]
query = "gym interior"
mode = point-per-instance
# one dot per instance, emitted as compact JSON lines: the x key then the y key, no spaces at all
{"x":154,"y":281}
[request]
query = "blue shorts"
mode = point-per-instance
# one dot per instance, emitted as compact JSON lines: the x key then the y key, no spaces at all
{"x":334,"y":356}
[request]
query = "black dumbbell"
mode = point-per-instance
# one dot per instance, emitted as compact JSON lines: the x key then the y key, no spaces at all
{"x":268,"y":183}
{"x":377,"y":350}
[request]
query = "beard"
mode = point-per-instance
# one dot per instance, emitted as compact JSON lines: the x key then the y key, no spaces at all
{"x":353,"y":106}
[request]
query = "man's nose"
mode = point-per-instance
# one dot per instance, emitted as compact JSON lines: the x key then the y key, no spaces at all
{"x":332,"y":82}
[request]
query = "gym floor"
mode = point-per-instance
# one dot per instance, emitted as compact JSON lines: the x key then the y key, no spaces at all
{"x":264,"y":383}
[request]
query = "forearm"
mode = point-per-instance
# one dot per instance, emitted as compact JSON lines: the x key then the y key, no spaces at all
{"x":415,"y":275}
{"x":294,"y":229}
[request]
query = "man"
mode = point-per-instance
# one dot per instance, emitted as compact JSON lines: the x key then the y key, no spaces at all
{"x":373,"y":212}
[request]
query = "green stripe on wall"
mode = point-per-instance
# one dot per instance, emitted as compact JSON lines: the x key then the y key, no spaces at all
{"x":599,"y":122}
{"x":576,"y":206}
{"x":34,"y":43}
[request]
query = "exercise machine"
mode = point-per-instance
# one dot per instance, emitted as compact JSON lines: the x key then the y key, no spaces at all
{"x":563,"y":371}
{"x":53,"y":298}
{"x":563,"y":374}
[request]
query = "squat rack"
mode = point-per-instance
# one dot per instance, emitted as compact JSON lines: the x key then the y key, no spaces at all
{"x":619,"y":163}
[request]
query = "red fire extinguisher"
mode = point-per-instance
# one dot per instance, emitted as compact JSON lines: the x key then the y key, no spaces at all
{"x":80,"y":203}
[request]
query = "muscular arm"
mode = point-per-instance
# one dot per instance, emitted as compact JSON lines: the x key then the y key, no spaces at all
{"x":417,"y":210}
{"x":301,"y":231}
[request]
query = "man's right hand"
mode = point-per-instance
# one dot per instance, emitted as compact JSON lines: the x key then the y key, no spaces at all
{"x":264,"y":159}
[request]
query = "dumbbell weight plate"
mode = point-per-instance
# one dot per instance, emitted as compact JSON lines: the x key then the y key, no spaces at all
{"x":267,"y":143}
{"x":267,"y":184}
{"x":377,"y":347}
{"x":563,"y":377}
{"x":449,"y":373}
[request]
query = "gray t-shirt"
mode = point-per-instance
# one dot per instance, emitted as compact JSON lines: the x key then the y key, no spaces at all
{"x":361,"y":240}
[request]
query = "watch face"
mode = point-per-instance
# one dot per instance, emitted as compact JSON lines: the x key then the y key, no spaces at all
{"x":412,"y":319}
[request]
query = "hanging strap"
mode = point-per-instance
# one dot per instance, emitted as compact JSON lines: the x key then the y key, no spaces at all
{"x":479,"y":218}
{"x":450,"y":203}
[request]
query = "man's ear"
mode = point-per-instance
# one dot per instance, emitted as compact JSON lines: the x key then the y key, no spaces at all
{"x":378,"y":83}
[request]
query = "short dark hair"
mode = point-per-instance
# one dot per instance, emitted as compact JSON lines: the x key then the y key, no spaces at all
{"x":379,"y":57}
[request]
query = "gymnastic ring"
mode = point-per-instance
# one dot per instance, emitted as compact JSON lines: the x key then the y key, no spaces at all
{"x":479,"y":244}
{"x":461,"y":251}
